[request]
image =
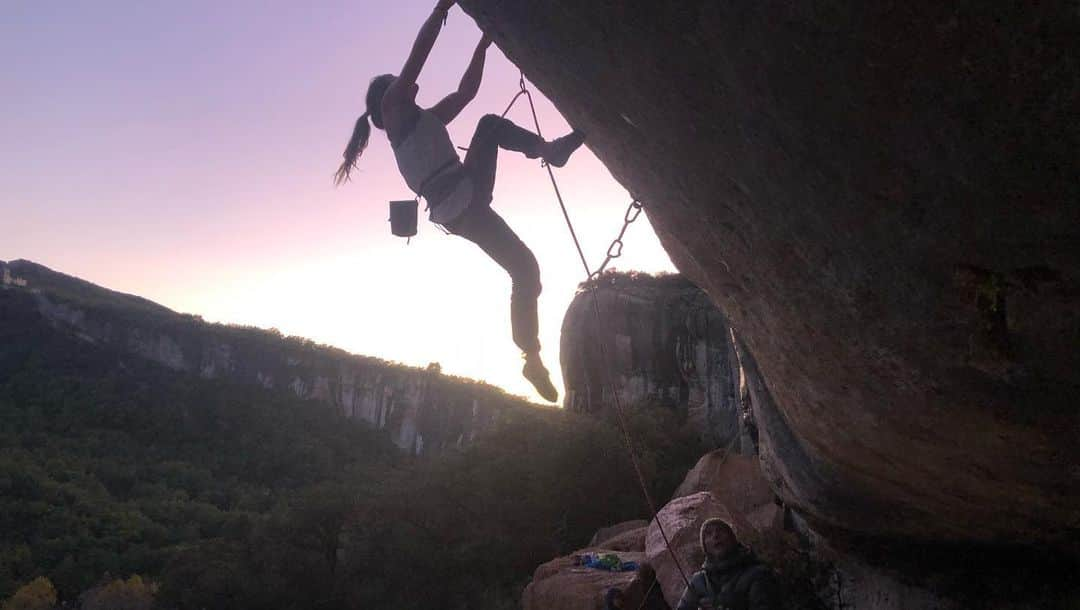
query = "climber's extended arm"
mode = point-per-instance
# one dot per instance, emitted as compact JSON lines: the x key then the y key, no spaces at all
{"x":451,"y":105}
{"x":421,"y":48}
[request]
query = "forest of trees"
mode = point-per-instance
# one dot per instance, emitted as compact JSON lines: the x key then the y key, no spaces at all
{"x":126,"y":485}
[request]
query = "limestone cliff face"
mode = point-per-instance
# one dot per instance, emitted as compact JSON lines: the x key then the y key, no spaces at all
{"x":882,"y":198}
{"x":667,"y":345}
{"x":422,"y":411}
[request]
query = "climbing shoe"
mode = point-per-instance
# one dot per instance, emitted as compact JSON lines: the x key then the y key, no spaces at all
{"x":560,"y":149}
{"x":537,"y":375}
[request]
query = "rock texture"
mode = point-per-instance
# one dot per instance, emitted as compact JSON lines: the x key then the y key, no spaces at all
{"x":667,"y":345}
{"x":422,"y":410}
{"x":627,"y":529}
{"x":560,"y":585}
{"x":737,"y":482}
{"x":857,"y":585}
{"x":882,"y":198}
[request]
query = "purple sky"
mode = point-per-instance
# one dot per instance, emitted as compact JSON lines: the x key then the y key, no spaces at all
{"x":183,"y":151}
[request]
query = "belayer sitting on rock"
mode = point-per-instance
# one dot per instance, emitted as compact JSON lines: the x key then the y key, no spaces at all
{"x":459,"y":192}
{"x":732,"y":577}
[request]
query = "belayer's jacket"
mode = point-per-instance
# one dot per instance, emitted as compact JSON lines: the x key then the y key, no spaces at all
{"x":737,"y":581}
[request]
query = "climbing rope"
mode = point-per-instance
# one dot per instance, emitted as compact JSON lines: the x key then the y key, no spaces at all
{"x":645,"y":598}
{"x":614,"y":251}
{"x":523,"y":90}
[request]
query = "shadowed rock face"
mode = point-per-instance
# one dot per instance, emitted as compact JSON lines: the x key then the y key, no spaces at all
{"x":883,"y":199}
{"x":667,"y":346}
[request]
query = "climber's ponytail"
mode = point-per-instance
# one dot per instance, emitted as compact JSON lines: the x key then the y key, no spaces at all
{"x":362,"y":130}
{"x":357,"y":144}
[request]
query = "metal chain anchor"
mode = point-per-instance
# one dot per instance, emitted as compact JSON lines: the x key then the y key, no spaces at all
{"x":615,"y":249}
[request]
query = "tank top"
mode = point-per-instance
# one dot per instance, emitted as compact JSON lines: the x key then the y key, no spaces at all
{"x":431,"y":167}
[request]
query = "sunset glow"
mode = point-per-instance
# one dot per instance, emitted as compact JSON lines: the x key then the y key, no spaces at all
{"x":184,"y":151}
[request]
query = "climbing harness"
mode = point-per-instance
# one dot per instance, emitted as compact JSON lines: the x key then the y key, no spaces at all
{"x":614,"y":251}
{"x":403,"y":212}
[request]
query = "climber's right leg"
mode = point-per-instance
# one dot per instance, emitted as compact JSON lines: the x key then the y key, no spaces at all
{"x":494,"y":132}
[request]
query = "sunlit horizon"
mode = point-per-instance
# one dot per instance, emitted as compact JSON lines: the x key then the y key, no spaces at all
{"x":184,"y":153}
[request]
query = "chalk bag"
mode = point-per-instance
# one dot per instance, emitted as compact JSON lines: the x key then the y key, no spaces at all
{"x":403,"y":218}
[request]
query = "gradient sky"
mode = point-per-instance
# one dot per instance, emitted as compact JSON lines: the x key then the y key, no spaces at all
{"x":183,"y":151}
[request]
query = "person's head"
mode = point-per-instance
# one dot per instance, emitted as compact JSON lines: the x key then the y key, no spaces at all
{"x":718,"y":537}
{"x":362,"y":131}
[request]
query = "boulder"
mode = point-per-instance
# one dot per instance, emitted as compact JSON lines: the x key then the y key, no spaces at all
{"x":667,"y":345}
{"x":737,"y":482}
{"x":561,"y":585}
{"x":734,"y":479}
{"x":606,"y":533}
{"x":681,"y":520}
{"x":767,"y":518}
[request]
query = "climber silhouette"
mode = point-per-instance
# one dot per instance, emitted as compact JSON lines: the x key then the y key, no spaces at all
{"x":459,"y":192}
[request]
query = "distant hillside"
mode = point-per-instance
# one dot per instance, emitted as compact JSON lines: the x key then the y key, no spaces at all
{"x":70,"y":289}
{"x":110,"y":462}
{"x":122,"y":452}
{"x":421,"y":410}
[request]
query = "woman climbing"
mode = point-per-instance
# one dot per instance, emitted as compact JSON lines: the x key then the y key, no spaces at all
{"x":459,"y":192}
